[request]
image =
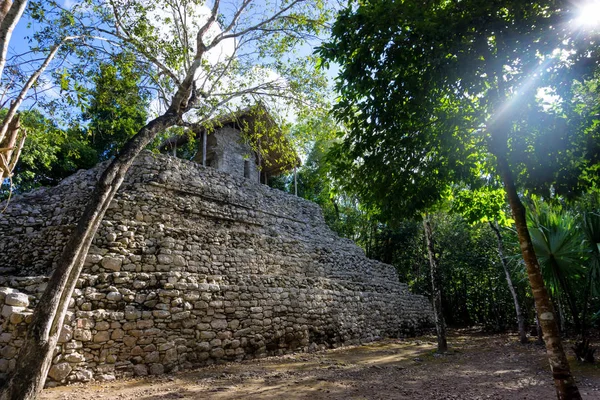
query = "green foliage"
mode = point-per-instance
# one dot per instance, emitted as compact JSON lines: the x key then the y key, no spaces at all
{"x":558,"y":245}
{"x":316,"y":182}
{"x":424,"y":84}
{"x":590,"y":223}
{"x":472,"y":278}
{"x":566,"y":240}
{"x":116,"y":111}
{"x":118,"y":106}
{"x":486,"y":204}
{"x":49,"y":155}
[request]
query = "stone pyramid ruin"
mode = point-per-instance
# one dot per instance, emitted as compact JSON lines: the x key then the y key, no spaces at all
{"x":193,"y":266}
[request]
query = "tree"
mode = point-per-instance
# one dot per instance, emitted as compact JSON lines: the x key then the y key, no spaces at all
{"x":462,"y":75}
{"x":49,"y":153}
{"x":113,"y":110}
{"x":436,"y":291}
{"x":487,"y":204}
{"x":190,"y":78}
{"x":558,"y":245}
{"x":21,"y":80}
{"x":118,"y":105}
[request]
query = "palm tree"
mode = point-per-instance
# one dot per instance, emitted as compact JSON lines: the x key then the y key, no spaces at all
{"x":558,"y":243}
{"x":591,"y":230}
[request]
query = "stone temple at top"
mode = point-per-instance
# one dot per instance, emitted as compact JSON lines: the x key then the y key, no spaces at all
{"x":246,"y":143}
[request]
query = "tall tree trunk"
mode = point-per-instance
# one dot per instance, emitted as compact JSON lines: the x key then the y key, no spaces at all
{"x":37,"y":350}
{"x":540,"y":338}
{"x":10,"y":14}
{"x":436,"y":291}
{"x":561,"y":372}
{"x":520,"y":318}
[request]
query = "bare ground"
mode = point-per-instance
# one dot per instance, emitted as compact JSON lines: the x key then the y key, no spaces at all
{"x":477,"y":367}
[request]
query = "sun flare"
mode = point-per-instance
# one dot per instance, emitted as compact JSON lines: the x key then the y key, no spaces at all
{"x":588,"y":15}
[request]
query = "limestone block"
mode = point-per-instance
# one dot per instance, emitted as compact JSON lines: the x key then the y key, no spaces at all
{"x":105,"y":377}
{"x":140,"y":370}
{"x":145,"y":323}
{"x":165,"y":259}
{"x":3,"y":365}
{"x":101,"y":336}
{"x":180,"y":316}
{"x":207,"y":335}
{"x":85,"y":323}
{"x":17,"y":299}
{"x":170,"y":356}
{"x":7,"y":310}
{"x":84,"y":375}
{"x":166,"y":346}
{"x":58,"y":372}
{"x":102,"y":325}
{"x":152,"y":357}
{"x":66,"y":334}
{"x":217,"y":353}
{"x":112,"y":263}
{"x":161,"y":314}
{"x":157,"y":369}
{"x":114,"y":296}
{"x":5,"y":337}
{"x":129,"y":341}
{"x":8,"y":351}
{"x":117,"y":334}
{"x":4,"y":291}
{"x":219,"y":324}
{"x":74,"y":358}
{"x":137,"y":351}
{"x":22,"y":316}
{"x":92,"y":259}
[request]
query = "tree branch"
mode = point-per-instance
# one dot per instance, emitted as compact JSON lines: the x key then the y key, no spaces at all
{"x":7,"y":25}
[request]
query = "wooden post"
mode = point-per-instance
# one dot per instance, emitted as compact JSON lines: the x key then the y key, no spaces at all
{"x":259,"y":159}
{"x":204,"y":148}
{"x":295,"y":182}
{"x":246,"y":168}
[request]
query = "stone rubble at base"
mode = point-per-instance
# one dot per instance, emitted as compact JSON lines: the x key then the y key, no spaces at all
{"x":193,"y":266}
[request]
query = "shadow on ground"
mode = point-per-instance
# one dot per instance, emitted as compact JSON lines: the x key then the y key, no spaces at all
{"x":477,"y":367}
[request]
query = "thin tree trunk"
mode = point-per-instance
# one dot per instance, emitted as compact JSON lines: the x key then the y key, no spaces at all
{"x":204,"y":133}
{"x":37,"y":350}
{"x":520,"y":318}
{"x":436,"y":292}
{"x":10,"y":15}
{"x":568,"y":295}
{"x":586,"y":298}
{"x":566,"y":389}
{"x":561,"y":314}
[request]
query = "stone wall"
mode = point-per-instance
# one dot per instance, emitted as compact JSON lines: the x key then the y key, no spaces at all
{"x":227,"y":152}
{"x":192,"y":266}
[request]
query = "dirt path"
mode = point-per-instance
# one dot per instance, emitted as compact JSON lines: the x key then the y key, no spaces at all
{"x":479,"y":367}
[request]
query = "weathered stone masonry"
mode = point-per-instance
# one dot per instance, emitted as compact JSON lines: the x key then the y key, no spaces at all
{"x":192,"y":266}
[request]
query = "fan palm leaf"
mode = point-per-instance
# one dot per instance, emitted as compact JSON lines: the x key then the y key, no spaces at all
{"x":559,"y":246}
